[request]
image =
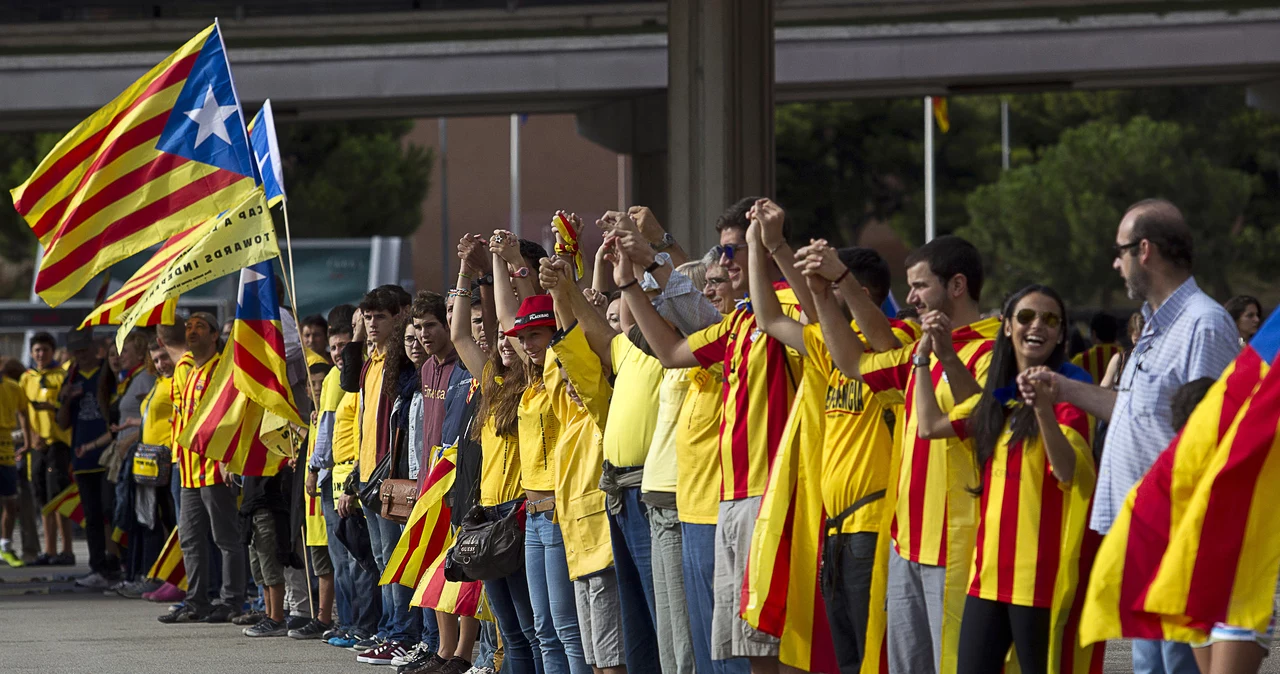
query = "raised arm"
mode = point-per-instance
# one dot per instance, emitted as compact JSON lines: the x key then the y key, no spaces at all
{"x":668,"y":346}
{"x":472,"y":356}
{"x":821,"y":267}
{"x":764,"y":301}
{"x":509,"y":291}
{"x":931,"y":422}
{"x":963,"y":384}
{"x":653,"y":232}
{"x":679,"y":302}
{"x":1062,"y":457}
{"x":771,"y":218}
{"x":554,"y":276}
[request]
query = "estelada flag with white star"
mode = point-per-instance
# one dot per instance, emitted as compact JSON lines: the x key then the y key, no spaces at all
{"x":168,"y":153}
{"x":266,"y":152}
{"x":257,"y":344}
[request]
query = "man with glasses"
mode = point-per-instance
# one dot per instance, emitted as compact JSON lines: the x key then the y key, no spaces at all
{"x":1187,"y":336}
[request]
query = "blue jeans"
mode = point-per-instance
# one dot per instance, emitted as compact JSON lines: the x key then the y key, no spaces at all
{"x":399,"y":623}
{"x":509,"y":599}
{"x":632,"y":561}
{"x":699,"y":563}
{"x":359,"y":605}
{"x":1163,"y":657}
{"x":555,"y":610}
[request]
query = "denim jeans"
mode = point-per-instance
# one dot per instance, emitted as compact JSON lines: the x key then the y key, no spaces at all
{"x":555,"y":610}
{"x":509,"y":599}
{"x":488,"y":645}
{"x":629,"y":530}
{"x":399,"y":623}
{"x":1163,"y":657}
{"x":699,"y":546}
{"x":675,"y":640}
{"x":359,"y":606}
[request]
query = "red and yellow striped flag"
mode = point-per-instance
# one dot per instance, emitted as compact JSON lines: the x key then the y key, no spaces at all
{"x":166,"y":154}
{"x":460,"y":599}
{"x":66,"y":503}
{"x":257,"y":344}
{"x":1095,"y":359}
{"x":1194,"y":543}
{"x":169,"y":566}
{"x":426,"y":535}
{"x":115,"y":305}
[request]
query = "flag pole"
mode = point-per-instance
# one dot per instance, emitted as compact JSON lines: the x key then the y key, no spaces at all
{"x":293,"y":300}
{"x":928,"y":169}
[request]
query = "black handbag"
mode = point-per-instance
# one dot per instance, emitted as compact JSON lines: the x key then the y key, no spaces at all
{"x":485,"y":550}
{"x":152,"y":465}
{"x":371,"y":495}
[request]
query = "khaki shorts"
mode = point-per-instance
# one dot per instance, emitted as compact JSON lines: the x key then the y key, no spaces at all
{"x":264,"y":564}
{"x":731,"y":636}
{"x":600,"y":619}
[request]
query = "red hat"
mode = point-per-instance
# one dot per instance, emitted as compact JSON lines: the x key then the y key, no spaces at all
{"x":535,"y":311}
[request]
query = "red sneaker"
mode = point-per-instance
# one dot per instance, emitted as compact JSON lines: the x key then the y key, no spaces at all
{"x":167,"y":594}
{"x":382,"y":655}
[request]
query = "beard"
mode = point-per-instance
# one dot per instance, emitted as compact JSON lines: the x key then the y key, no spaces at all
{"x":1137,"y":284}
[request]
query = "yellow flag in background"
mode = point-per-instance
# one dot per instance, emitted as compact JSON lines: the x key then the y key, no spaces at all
{"x":228,"y":243}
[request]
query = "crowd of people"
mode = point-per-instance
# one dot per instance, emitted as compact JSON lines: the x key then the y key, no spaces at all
{"x":628,"y":412}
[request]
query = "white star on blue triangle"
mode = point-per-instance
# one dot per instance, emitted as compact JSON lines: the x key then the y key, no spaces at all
{"x":206,"y":124}
{"x":257,"y":300}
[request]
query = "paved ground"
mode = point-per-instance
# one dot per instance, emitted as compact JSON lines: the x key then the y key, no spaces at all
{"x":56,"y":628}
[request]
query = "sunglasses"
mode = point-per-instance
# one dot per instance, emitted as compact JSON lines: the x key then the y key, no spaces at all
{"x":1121,"y":249}
{"x":728,"y":251}
{"x":1028,"y":316}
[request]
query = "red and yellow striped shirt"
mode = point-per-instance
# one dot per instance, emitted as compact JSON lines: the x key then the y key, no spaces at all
{"x":1021,"y":513}
{"x":760,"y":381}
{"x":919,"y":528}
{"x":1095,"y":359}
{"x":858,"y":441}
{"x":190,"y":383}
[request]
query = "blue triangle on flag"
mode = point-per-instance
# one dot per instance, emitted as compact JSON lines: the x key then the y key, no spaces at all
{"x":257,"y":299}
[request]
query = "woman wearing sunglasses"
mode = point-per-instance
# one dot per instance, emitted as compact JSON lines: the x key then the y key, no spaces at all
{"x":1037,"y":480}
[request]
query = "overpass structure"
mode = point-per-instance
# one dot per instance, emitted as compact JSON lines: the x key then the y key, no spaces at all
{"x":687,"y":87}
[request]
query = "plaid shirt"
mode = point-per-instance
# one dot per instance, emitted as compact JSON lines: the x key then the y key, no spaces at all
{"x":1188,"y":337}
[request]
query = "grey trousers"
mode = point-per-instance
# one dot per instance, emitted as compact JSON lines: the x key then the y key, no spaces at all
{"x":913,"y":599}
{"x":675,"y":639}
{"x":28,"y":516}
{"x":205,"y":511}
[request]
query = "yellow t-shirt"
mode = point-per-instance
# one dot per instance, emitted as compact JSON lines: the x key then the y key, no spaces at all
{"x":661,"y":468}
{"x":42,"y":386}
{"x":370,"y":395}
{"x":698,"y":446}
{"x":539,"y":431}
{"x":499,"y":457}
{"x":632,"y":417}
{"x":157,"y":414}
{"x":12,"y":403}
{"x":858,"y":441}
{"x":346,"y":433}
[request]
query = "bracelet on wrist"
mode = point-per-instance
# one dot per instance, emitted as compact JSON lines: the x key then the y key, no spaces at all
{"x":774,"y":251}
{"x":840,"y":278}
{"x":464,"y":274}
{"x":628,"y":285}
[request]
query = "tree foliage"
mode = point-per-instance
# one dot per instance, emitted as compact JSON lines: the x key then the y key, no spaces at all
{"x":1053,"y":221}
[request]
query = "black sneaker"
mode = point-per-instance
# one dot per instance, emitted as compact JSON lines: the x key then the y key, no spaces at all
{"x":314,"y":629}
{"x":425,"y":665}
{"x":221,"y":614}
{"x":249,"y":618}
{"x":335,"y":631}
{"x":295,"y":622}
{"x":454,"y":666}
{"x":366,"y":644}
{"x":43,"y":559}
{"x":266,"y":628}
{"x":184,"y":614}
{"x":63,"y":559}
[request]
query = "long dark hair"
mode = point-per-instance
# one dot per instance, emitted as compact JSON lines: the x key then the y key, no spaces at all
{"x":398,"y":361}
{"x":988,"y":420}
{"x":500,"y":401}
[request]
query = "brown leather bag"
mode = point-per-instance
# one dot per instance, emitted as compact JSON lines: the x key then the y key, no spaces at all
{"x":397,"y":495}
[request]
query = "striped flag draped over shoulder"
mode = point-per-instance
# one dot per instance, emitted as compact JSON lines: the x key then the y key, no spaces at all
{"x":168,"y":153}
{"x":1194,"y":543}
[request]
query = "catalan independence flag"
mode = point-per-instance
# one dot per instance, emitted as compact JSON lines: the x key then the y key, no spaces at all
{"x":228,"y":427}
{"x":460,"y":599}
{"x":426,"y":535}
{"x":66,"y":503}
{"x":257,"y":344}
{"x":1195,"y":541}
{"x":116,"y":304}
{"x":266,"y":152}
{"x":168,"y":153}
{"x":169,"y":566}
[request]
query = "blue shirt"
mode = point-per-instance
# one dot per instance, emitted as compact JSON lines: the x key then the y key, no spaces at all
{"x":87,"y":422}
{"x":1188,"y":337}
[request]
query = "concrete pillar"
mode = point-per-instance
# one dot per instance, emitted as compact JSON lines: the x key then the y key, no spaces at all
{"x":635,"y":127}
{"x":720,"y":94}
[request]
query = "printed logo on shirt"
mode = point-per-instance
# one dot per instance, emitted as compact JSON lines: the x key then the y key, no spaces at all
{"x":89,"y":407}
{"x":434,"y":394}
{"x":846,"y":398}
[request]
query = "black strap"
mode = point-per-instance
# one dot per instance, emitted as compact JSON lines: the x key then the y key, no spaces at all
{"x":834,"y":523}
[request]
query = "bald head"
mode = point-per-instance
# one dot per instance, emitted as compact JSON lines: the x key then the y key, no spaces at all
{"x":1161,"y":224}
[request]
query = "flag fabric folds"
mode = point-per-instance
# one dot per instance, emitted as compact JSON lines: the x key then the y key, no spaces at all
{"x":941,"y":113}
{"x":111,"y":310}
{"x":167,"y":153}
{"x":460,"y":599}
{"x":1194,"y":543}
{"x":169,"y":566}
{"x":257,"y":344}
{"x":67,"y":504}
{"x":426,"y":535}
{"x":266,"y":153}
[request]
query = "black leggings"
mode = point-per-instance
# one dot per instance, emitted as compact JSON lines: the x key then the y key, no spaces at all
{"x":989,"y":627}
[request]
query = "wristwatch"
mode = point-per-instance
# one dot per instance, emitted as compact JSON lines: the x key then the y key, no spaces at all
{"x":659,"y":260}
{"x":520,"y":273}
{"x":666,"y":242}
{"x":486,"y":280}
{"x":918,"y":360}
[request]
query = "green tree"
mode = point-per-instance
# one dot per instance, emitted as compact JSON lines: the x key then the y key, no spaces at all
{"x":354,"y":179}
{"x":1053,"y":221}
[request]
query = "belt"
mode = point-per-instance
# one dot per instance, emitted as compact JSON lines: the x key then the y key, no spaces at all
{"x":542,"y":505}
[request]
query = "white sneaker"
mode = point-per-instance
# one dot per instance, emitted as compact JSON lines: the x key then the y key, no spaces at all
{"x":480,"y":670}
{"x":94,"y":581}
{"x":414,"y":653}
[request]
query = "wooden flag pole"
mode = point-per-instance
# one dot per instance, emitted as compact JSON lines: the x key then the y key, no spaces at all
{"x":293,"y":299}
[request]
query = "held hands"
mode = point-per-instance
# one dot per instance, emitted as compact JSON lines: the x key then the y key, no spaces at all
{"x":771,"y":218}
{"x":473,"y":252}
{"x":819,"y":259}
{"x":553,"y":274}
{"x":647,"y":223}
{"x":623,"y":274}
{"x":1038,"y":386}
{"x":635,"y":248}
{"x":506,"y":245}
{"x":937,"y":326}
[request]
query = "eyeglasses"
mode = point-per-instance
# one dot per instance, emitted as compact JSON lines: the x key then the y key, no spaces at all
{"x":1028,"y":316}
{"x":727,"y":251}
{"x":716,"y":280}
{"x":1122,"y":248}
